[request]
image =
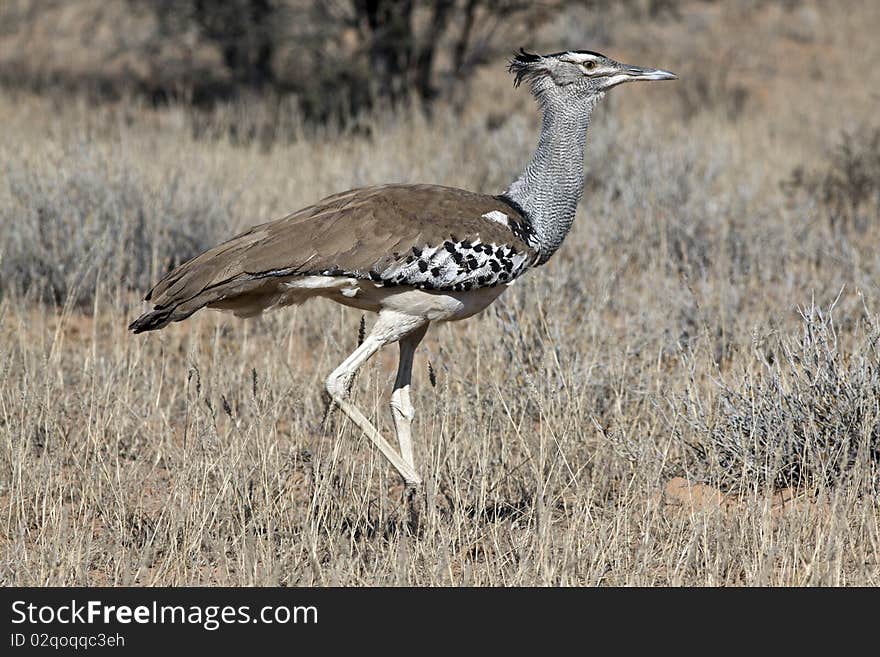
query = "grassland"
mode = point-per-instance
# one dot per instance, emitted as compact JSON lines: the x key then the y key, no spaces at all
{"x":687,"y":394}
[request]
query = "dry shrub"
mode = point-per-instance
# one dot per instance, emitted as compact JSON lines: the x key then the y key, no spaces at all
{"x":93,"y":215}
{"x":810,"y":416}
{"x":847,"y":189}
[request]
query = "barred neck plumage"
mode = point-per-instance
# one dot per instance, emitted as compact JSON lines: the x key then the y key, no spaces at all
{"x":549,"y":189}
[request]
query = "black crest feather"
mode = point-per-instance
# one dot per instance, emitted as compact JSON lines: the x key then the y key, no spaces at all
{"x":522,"y":65}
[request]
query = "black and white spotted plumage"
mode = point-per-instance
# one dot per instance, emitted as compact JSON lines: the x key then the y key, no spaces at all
{"x":455,"y":265}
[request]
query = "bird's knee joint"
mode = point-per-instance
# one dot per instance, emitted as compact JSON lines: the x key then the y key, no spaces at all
{"x":336,"y":387}
{"x":405,"y":410}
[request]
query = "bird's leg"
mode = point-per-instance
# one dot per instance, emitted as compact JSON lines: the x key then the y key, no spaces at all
{"x":402,"y":410}
{"x":389,"y":328}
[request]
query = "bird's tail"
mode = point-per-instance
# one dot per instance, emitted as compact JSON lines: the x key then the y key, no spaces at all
{"x":247,"y":295}
{"x":155,"y":319}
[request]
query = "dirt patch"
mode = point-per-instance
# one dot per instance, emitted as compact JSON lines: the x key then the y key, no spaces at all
{"x":693,"y":497}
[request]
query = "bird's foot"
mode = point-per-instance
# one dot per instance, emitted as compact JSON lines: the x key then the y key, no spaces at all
{"x":328,"y":408}
{"x":416,"y":502}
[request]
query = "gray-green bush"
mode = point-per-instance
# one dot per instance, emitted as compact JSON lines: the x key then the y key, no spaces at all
{"x":92,"y":214}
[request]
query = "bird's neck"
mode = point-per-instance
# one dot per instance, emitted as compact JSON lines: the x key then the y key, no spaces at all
{"x":549,"y":189}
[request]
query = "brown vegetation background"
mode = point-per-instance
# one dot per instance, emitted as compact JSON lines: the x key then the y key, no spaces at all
{"x":687,"y":394}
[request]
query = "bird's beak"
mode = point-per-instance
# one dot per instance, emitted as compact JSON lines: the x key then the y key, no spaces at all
{"x":639,"y":73}
{"x":632,"y":73}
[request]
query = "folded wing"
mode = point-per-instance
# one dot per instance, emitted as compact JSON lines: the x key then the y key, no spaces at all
{"x":424,"y":236}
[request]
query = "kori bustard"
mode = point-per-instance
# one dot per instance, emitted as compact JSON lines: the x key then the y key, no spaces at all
{"x":414,"y":254}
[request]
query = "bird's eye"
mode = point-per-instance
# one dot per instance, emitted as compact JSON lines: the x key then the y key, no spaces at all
{"x":589,"y":65}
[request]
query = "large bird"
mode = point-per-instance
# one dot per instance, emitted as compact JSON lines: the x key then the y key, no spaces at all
{"x":414,"y":254}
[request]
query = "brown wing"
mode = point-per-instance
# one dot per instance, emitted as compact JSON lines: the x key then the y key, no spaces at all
{"x":380,"y":233}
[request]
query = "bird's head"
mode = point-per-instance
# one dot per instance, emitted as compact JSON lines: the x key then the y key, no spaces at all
{"x":576,"y":74}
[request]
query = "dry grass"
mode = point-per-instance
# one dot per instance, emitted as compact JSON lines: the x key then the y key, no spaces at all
{"x":559,"y":416}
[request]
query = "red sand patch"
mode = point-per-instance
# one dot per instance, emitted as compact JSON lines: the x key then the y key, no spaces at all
{"x":695,"y":497}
